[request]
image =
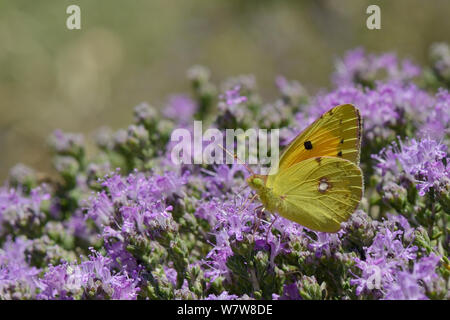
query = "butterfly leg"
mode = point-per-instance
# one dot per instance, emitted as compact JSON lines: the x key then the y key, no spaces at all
{"x":259,"y":207}
{"x":270,"y":226}
{"x":245,"y":202}
{"x":258,"y":221}
{"x":238,"y":193}
{"x":243,"y":188}
{"x":248,"y":204}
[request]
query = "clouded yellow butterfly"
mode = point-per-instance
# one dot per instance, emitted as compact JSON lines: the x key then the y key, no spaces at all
{"x":318,"y":183}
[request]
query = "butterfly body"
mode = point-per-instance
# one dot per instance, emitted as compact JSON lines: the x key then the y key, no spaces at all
{"x":318,"y":183}
{"x":271,"y":201}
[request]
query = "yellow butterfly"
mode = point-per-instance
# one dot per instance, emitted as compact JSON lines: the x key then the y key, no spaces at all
{"x":318,"y":183}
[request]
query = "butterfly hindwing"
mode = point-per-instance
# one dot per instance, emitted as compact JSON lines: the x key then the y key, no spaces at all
{"x":337,"y":133}
{"x":319,"y":193}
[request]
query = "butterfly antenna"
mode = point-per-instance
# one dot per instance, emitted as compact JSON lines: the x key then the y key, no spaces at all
{"x":236,"y":157}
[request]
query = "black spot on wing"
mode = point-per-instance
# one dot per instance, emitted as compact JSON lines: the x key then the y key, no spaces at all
{"x":308,"y":145}
{"x":339,"y":154}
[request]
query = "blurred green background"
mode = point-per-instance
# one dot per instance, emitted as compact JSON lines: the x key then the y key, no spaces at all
{"x":133,"y":51}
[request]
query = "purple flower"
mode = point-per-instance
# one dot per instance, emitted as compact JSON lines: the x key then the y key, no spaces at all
{"x":276,"y":248}
{"x":223,"y":296}
{"x":325,"y":245}
{"x":232,"y":111}
{"x":440,"y":57}
{"x":76,"y":225}
{"x":101,"y":209}
{"x":292,"y":91}
{"x":425,"y":269}
{"x":171,"y":275}
{"x":223,"y":179}
{"x":405,"y":287}
{"x":67,"y":143}
{"x":216,"y":259}
{"x":233,"y":97}
{"x":436,"y":125}
{"x":180,"y":108}
{"x":22,"y":175}
{"x":104,"y":138}
{"x":291,"y":292}
{"x":145,"y":113}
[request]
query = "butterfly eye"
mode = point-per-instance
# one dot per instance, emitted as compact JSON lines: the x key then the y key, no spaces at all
{"x":257,"y":182}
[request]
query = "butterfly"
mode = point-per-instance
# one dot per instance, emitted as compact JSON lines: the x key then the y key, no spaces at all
{"x":318,"y":182}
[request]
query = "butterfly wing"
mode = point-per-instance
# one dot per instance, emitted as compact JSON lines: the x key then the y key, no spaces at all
{"x":319,"y":193}
{"x":337,"y":133}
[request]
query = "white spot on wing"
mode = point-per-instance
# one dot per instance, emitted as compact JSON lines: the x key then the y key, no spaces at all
{"x":323,"y":185}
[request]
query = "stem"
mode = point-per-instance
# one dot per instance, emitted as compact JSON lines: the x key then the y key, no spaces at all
{"x":254,"y":280}
{"x":433,"y":215}
{"x":444,"y":223}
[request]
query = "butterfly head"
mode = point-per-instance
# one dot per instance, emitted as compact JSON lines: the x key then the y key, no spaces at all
{"x":256,"y":181}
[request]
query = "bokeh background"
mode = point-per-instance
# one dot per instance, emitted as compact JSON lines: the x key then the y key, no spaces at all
{"x":139,"y":50}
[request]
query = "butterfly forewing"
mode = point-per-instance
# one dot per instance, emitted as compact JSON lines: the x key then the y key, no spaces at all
{"x":337,"y":133}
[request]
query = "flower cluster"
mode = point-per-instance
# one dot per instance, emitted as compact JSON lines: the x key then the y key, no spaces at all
{"x":425,"y":163}
{"x":90,"y":279}
{"x":128,"y":223}
{"x":361,"y":68}
{"x":22,"y":212}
